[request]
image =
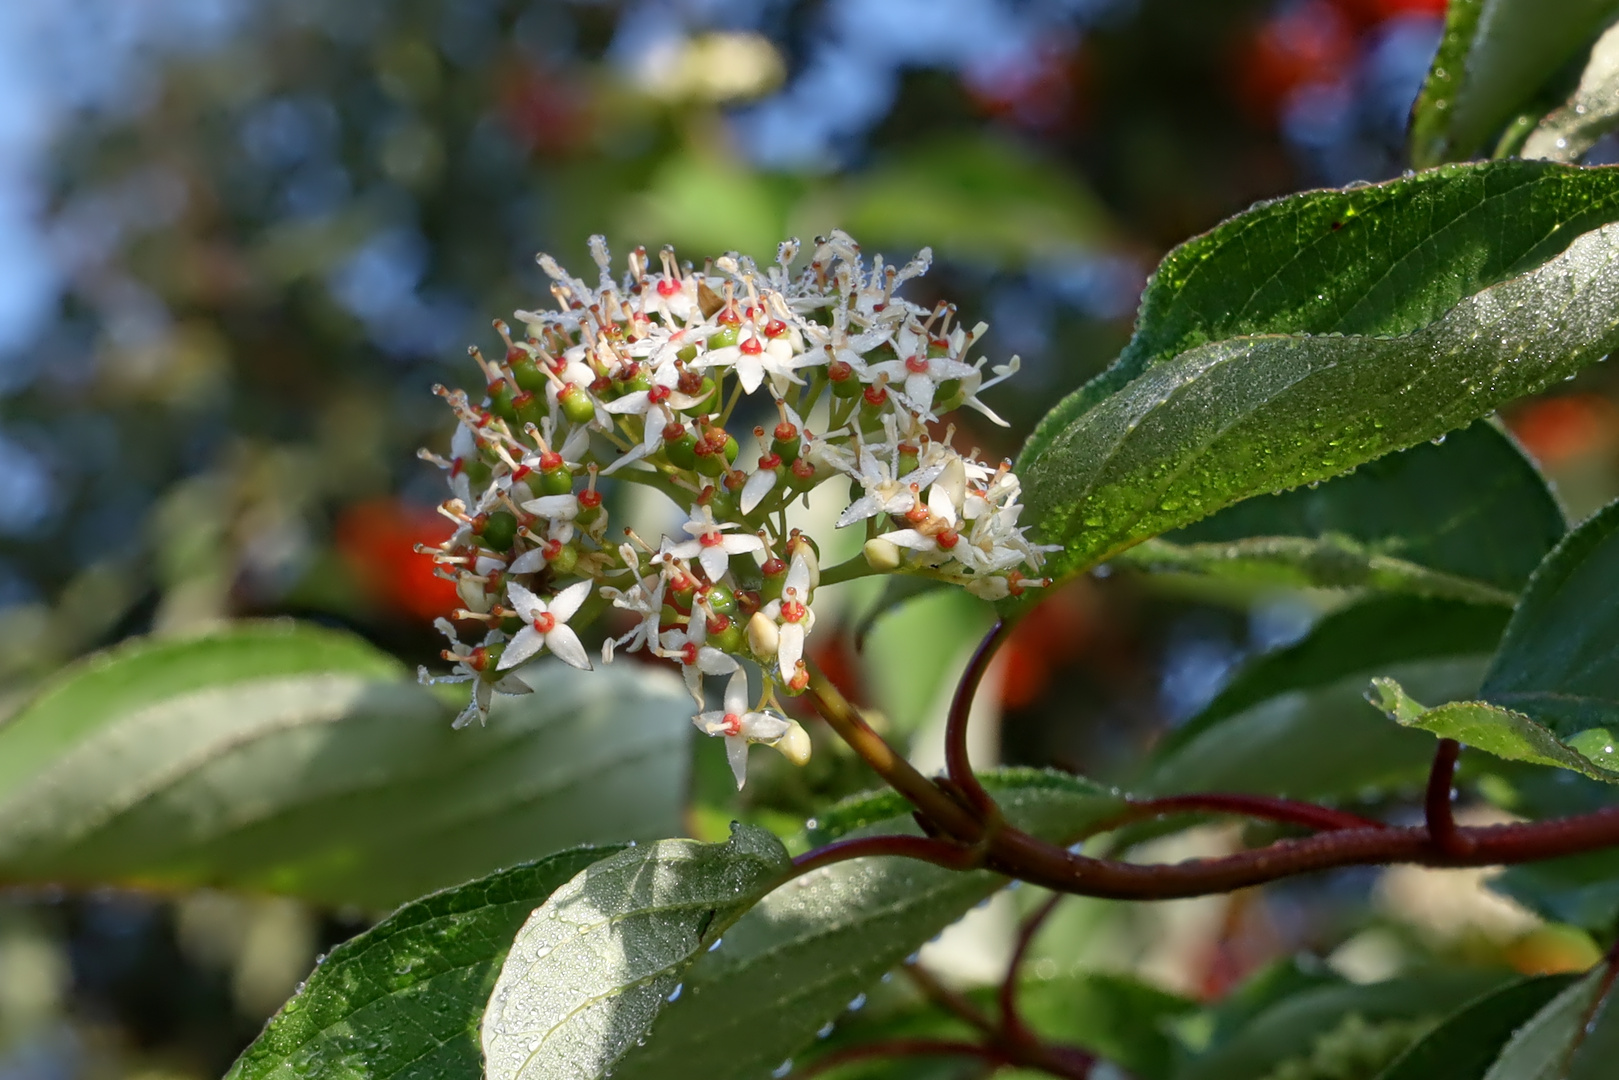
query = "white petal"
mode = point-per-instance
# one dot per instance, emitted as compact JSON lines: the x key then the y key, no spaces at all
{"x":566,"y":602}
{"x":763,"y":727}
{"x":693,"y":675}
{"x":528,"y":562}
{"x":798,"y":578}
{"x":758,"y":486}
{"x":741,"y":543}
{"x":909,"y":538}
{"x":736,"y":693}
{"x":751,"y":373}
{"x":711,"y":722}
{"x":525,"y":603}
{"x":862,"y":508}
{"x":525,"y":644}
{"x":513,"y":685}
{"x":791,"y":649}
{"x":919,"y":388}
{"x":736,"y":752}
{"x":714,"y":662}
{"x":629,"y":403}
{"x":566,"y":646}
{"x":556,"y":507}
{"x":715,"y":561}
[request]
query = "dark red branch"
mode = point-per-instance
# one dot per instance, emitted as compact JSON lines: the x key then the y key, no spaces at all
{"x":956,"y":760}
{"x":1011,"y":1022}
{"x":1263,"y":807}
{"x":952,"y":1001}
{"x":905,"y":1047}
{"x":939,"y":852}
{"x":1438,"y":812}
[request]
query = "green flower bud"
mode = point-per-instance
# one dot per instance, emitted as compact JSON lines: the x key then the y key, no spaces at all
{"x":499,"y":531}
{"x":576,"y":404}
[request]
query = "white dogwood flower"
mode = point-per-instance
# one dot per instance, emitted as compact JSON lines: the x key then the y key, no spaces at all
{"x":741,"y":727}
{"x":547,"y":626}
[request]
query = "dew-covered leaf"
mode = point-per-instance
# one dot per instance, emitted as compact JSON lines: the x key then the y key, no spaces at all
{"x":1494,"y":59}
{"x":1373,"y":260}
{"x":1469,"y":519}
{"x":815,"y":945}
{"x":1593,"y":110}
{"x":1191,"y":432}
{"x":1492,"y":729}
{"x":592,"y":966}
{"x":287,"y":758}
{"x":403,"y":1000}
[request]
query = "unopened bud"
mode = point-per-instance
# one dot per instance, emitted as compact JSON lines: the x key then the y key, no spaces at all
{"x":795,"y":745}
{"x":881,"y":554}
{"x":764,"y":636}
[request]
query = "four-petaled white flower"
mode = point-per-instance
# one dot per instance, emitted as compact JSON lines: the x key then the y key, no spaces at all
{"x":711,"y":546}
{"x":915,"y":376}
{"x":741,"y":727}
{"x":547,"y":626}
{"x":470,"y":662}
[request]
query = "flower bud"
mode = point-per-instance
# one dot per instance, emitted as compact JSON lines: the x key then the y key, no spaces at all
{"x":795,"y":746}
{"x":576,"y":404}
{"x":882,"y":555}
{"x":764,"y":636}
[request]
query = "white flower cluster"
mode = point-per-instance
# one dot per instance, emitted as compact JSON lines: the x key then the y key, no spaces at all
{"x":638,"y":378}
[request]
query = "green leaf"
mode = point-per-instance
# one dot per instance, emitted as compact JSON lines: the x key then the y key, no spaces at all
{"x":1581,"y":890}
{"x":1490,"y":728}
{"x":1162,"y":440}
{"x":1375,"y":260}
{"x":1572,"y":1038}
{"x":1377,"y":632}
{"x":1465,"y":1042}
{"x":292,"y":759}
{"x":1559,"y":658}
{"x":980,"y":199}
{"x":1469,"y":519}
{"x":1494,"y":58}
{"x":1590,"y":113}
{"x":1342,"y":1021}
{"x":1319,"y":742}
{"x":592,"y":966}
{"x":803,"y":954}
{"x":403,"y":1000}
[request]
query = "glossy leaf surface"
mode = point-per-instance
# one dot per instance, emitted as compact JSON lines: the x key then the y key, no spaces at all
{"x":595,"y":962}
{"x":404,"y":999}
{"x":1130,"y":458}
{"x":297,"y":760}
{"x":800,"y":957}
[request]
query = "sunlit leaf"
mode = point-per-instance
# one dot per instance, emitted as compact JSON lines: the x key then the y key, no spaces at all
{"x":1220,"y":422}
{"x":1490,"y":728}
{"x":404,"y":999}
{"x":592,"y":966}
{"x":808,"y":950}
{"x":292,"y":759}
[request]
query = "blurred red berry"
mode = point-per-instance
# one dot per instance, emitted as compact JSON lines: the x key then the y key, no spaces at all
{"x":1556,"y":430}
{"x":377,"y":541}
{"x":1310,"y":42}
